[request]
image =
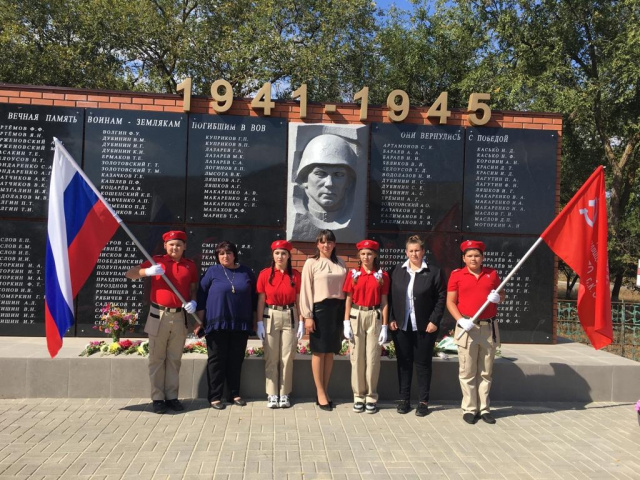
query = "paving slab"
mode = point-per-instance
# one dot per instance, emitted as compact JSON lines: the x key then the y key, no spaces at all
{"x":54,"y":438}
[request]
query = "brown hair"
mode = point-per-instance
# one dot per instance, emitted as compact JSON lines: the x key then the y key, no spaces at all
{"x":414,"y":239}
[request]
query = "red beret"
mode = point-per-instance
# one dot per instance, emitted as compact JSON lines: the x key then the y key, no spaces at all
{"x":281,"y":244}
{"x":472,"y":244}
{"x":370,"y":244}
{"x":174,"y":235}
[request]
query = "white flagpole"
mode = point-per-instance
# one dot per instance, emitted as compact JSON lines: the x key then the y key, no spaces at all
{"x":64,"y":151}
{"x":504,"y":282}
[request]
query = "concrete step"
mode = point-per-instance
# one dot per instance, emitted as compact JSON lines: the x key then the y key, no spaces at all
{"x":567,"y":372}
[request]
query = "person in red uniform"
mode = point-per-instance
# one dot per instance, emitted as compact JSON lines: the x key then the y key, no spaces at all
{"x":468,"y":289}
{"x":278,"y":290}
{"x":365,"y":325}
{"x":167,"y":321}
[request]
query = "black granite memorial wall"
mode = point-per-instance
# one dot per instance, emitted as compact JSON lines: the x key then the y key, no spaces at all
{"x":237,"y":170}
{"x":416,"y":177}
{"x":26,"y":154}
{"x":138,"y":162}
{"x":224,"y":178}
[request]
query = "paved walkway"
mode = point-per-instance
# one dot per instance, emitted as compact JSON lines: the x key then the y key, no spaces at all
{"x":122,"y":438}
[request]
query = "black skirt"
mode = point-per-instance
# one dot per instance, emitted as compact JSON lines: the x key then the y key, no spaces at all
{"x":328,"y":316}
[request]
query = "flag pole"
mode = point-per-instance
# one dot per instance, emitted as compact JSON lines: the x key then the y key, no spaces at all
{"x":505,"y":281}
{"x":71,"y":160}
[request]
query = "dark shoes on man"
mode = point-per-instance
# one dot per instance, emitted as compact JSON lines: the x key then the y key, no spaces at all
{"x":403,"y":407}
{"x":488,"y":418}
{"x":422,"y":410}
{"x":159,"y":406}
{"x":174,"y":405}
{"x":470,"y":418}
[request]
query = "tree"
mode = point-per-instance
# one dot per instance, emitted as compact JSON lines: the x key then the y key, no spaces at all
{"x":580,"y":58}
{"x":429,"y":50}
{"x":59,"y":43}
{"x":153,"y":44}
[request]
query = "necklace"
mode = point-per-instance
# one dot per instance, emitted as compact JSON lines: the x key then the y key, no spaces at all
{"x":233,"y":289}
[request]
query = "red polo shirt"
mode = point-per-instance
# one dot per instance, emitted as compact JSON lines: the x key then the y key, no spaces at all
{"x":367,"y":292}
{"x":279,"y":291}
{"x":472,"y":291}
{"x":182,"y":274}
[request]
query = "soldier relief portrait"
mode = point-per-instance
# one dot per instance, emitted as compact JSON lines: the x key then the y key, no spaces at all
{"x":327,"y":187}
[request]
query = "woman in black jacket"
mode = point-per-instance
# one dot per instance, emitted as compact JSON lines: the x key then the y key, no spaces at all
{"x":417,"y":297}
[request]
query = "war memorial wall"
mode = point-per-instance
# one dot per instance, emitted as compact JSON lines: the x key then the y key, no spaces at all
{"x":233,"y":176}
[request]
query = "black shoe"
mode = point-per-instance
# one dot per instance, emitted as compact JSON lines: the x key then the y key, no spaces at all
{"x":159,"y":406}
{"x":488,"y":418}
{"x":174,"y":405}
{"x":470,"y":418}
{"x":218,"y":405}
{"x":403,"y":407}
{"x":240,"y":402}
{"x":330,"y":402}
{"x":371,"y":408}
{"x":358,"y":407}
{"x":422,"y":410}
{"x":327,"y":407}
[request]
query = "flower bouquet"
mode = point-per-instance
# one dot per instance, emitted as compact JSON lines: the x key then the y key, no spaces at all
{"x":254,"y":352}
{"x":198,"y":346}
{"x":116,"y":322}
{"x":303,"y":349}
{"x":388,"y":351}
{"x":638,"y":411}
{"x":126,"y":347}
{"x":344,"y":349}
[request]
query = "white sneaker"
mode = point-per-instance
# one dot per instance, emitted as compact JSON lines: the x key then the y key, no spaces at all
{"x":284,"y":401}
{"x":272,"y":401}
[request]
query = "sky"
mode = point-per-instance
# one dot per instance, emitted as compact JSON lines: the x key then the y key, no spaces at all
{"x":402,"y":4}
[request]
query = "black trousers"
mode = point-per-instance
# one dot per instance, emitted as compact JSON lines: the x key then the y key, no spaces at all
{"x":224,"y":363}
{"x":414,"y":347}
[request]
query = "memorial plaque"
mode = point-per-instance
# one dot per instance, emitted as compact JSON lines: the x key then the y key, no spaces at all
{"x":416,"y":177}
{"x":237,"y":170}
{"x":26,"y":154}
{"x":108,"y":285}
{"x":254,"y":245}
{"x":509,"y":180}
{"x":526,"y":315}
{"x":22,"y":278}
{"x":138,"y":162}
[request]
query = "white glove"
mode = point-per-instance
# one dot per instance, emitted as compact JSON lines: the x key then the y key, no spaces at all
{"x":154,"y":270}
{"x":348,"y":334}
{"x":261,"y":333}
{"x":382,"y":339}
{"x":466,"y":324}
{"x":494,"y":297}
{"x":190,"y":307}
{"x":300,"y":333}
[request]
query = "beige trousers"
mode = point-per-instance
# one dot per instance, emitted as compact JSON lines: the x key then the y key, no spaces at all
{"x":279,"y":350}
{"x":476,"y":353}
{"x":365,"y":355}
{"x":165,"y":352}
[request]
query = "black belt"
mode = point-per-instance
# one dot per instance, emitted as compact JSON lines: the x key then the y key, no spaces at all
{"x":488,"y":321}
{"x":166,"y":309}
{"x":364,"y":309}
{"x":282,"y":307}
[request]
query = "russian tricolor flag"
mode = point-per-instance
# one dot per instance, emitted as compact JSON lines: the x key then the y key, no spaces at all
{"x":80,"y":225}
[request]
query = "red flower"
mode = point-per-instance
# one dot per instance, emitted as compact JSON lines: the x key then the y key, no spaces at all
{"x":125,"y":344}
